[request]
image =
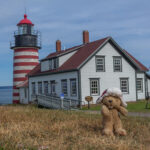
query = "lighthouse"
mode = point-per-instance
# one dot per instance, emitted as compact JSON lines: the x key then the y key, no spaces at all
{"x":25,"y":46}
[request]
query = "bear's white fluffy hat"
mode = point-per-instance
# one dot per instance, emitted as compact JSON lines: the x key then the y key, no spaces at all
{"x":112,"y":92}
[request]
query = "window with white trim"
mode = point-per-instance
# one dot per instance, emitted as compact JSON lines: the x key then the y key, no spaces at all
{"x":33,"y":88}
{"x":139,"y":84}
{"x":45,"y":87}
{"x":39,"y":87}
{"x":50,"y":64}
{"x":53,"y":87}
{"x":64,"y":87}
{"x":73,"y":87}
{"x":124,"y":85}
{"x":117,"y":61}
{"x":94,"y":86}
{"x":100,"y":63}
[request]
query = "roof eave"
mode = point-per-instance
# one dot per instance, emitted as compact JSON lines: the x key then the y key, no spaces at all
{"x":49,"y":73}
{"x":61,"y":54}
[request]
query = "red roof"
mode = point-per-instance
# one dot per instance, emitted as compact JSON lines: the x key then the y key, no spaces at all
{"x":141,"y":66}
{"x":83,"y":52}
{"x":25,"y":21}
{"x":55,"y":54}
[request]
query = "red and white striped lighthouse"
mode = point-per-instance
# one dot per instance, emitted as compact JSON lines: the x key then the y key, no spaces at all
{"x":26,"y":44}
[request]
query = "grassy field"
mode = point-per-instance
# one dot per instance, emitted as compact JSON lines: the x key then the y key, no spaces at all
{"x":31,"y":128}
{"x":138,"y":106}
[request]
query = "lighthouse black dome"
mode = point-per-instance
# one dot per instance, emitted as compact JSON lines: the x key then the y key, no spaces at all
{"x":26,"y":36}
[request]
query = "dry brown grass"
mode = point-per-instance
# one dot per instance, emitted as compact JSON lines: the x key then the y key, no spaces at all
{"x":27,"y":127}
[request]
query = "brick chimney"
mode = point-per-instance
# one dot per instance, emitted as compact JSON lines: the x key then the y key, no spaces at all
{"x":58,"y":46}
{"x":85,"y":36}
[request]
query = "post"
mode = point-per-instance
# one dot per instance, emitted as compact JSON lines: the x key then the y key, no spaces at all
{"x":62,"y":104}
{"x":70,"y":103}
{"x":62,"y":99}
{"x":88,"y":105}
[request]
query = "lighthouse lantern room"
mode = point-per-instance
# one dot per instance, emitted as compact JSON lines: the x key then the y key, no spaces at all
{"x":25,"y":45}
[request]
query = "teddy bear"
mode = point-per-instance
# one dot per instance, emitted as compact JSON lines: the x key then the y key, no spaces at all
{"x":112,"y":106}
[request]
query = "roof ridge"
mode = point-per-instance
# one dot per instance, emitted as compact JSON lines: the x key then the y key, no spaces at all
{"x":54,"y":54}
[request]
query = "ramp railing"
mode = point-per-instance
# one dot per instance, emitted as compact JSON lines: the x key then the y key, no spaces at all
{"x":56,"y":102}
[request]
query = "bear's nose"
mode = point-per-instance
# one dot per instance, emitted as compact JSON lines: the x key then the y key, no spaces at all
{"x":110,"y":101}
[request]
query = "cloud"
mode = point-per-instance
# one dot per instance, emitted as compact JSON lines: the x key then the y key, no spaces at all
{"x":126,"y":21}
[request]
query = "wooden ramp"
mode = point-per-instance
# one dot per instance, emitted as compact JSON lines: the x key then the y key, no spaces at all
{"x":56,"y":102}
{"x":147,"y":106}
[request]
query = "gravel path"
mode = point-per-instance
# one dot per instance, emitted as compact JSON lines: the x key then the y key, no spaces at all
{"x":134,"y":114}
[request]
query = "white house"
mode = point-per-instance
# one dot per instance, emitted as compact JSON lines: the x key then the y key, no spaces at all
{"x":89,"y":69}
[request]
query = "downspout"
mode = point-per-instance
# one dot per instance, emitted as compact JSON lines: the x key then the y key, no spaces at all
{"x":79,"y":88}
{"x":136,"y":85}
{"x":145,"y":82}
{"x":28,"y":90}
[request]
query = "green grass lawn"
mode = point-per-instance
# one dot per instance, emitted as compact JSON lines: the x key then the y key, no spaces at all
{"x":138,"y":106}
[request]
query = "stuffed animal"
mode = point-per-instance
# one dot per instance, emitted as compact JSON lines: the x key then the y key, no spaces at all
{"x":112,"y":106}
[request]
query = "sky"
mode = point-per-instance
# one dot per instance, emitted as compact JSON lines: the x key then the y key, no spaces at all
{"x":126,"y":21}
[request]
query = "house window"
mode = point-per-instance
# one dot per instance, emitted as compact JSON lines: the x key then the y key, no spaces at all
{"x":39,"y":87}
{"x":139,"y":83}
{"x":45,"y":87}
{"x":100,"y":63}
{"x":124,"y":85}
{"x":64,"y":87}
{"x":50,"y":64}
{"x":117,"y":63}
{"x":73,"y":87}
{"x":94,"y":86}
{"x":55,"y":63}
{"x":25,"y":92}
{"x":33,"y":88}
{"x":53,"y":87}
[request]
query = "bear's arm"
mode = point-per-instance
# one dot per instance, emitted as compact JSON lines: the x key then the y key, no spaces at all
{"x":122,"y":110}
{"x":105,"y":111}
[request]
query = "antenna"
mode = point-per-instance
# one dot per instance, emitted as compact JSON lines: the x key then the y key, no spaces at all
{"x":25,"y":6}
{"x":25,"y":10}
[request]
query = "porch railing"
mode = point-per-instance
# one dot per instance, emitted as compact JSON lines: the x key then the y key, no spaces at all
{"x":56,"y":102}
{"x":147,"y":106}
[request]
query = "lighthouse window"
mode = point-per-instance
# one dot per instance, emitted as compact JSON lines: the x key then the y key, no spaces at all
{"x":24,"y":29}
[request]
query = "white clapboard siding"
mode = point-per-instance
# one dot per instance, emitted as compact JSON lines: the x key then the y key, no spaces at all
{"x":57,"y":78}
{"x":109,"y":78}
